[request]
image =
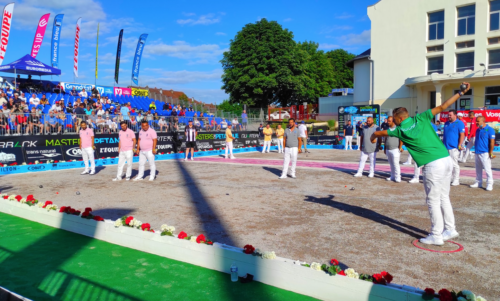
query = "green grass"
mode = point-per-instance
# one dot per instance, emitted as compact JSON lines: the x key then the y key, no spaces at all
{"x":44,"y":263}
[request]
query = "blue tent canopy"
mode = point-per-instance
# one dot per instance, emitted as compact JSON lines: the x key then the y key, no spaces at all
{"x":29,"y":65}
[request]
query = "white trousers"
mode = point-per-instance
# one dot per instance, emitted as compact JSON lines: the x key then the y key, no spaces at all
{"x":393,"y":156}
{"x":229,"y":147}
{"x":468,"y":150}
{"x":416,"y":171}
{"x":437,"y":176}
{"x":290,"y":153}
{"x":362,"y":161}
{"x":358,"y":140}
{"x":150,"y":157}
{"x":348,"y":142}
{"x":268,"y":145}
{"x":280,"y":145}
{"x":455,"y":174}
{"x":122,"y":157}
{"x":409,"y":159}
{"x":483,"y":161}
{"x":88,"y":155}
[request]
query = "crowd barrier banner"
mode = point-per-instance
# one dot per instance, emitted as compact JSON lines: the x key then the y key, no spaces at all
{"x":56,"y":35}
{"x":78,"y":87}
{"x":140,"y":92}
{"x":118,"y":54}
{"x":122,"y":91}
{"x":77,"y":47}
{"x":490,"y":115}
{"x":39,"y":34}
{"x":6,"y":24}
{"x":107,"y":90}
{"x":137,"y":58}
{"x":43,"y":154}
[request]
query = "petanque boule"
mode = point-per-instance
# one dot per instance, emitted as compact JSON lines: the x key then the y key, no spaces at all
{"x":78,"y":193}
{"x":41,"y":186}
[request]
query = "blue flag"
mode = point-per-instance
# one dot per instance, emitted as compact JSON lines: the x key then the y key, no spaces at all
{"x":56,"y":40}
{"x":137,"y":58}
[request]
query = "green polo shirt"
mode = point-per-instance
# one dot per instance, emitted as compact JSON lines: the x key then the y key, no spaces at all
{"x":420,"y":138}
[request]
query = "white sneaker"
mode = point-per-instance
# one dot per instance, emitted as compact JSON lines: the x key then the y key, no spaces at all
{"x":267,"y":152}
{"x":117,"y":179}
{"x":282,"y":177}
{"x":127,"y":179}
{"x":151,"y":179}
{"x":84,"y":172}
{"x":233,"y":157}
{"x":92,"y":172}
{"x":476,"y":185}
{"x":185,"y":159}
{"x":398,"y":181}
{"x":370,"y":175}
{"x":293,"y":176}
{"x":358,"y":175}
{"x":263,"y":152}
{"x":389,"y":179}
{"x":406,"y":163}
{"x":225,"y":157}
{"x":138,"y":179}
{"x":433,"y":240}
{"x":414,"y":181}
{"x":449,"y":234}
{"x":192,"y":158}
{"x":455,"y":183}
{"x":489,"y":187}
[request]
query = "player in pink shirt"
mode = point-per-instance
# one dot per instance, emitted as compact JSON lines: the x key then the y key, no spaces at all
{"x":87,"y":147}
{"x":126,"y":147}
{"x":146,"y":148}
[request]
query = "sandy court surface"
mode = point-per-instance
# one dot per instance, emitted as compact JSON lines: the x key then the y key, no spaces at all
{"x":313,"y":218}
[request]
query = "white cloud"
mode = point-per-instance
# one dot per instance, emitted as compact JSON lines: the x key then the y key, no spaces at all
{"x":189,"y":14}
{"x":363,"y":38}
{"x":335,"y":28}
{"x":220,"y":33}
{"x":327,"y":46}
{"x":179,"y":77}
{"x":343,"y":16}
{"x":202,"y":20}
{"x":287,"y":20}
{"x":184,"y":50}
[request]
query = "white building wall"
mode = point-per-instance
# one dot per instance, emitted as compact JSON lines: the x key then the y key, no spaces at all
{"x":362,"y":81}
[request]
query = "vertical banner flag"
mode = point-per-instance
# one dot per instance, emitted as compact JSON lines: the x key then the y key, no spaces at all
{"x":137,"y":58}
{"x":56,"y":36}
{"x":77,"y":47}
{"x":6,"y":23}
{"x":118,"y":53}
{"x":40,"y":33}
{"x":96,"y":50}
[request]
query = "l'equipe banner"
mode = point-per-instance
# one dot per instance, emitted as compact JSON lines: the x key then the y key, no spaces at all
{"x":6,"y":23}
{"x":140,"y":92}
{"x":490,"y":115}
{"x":56,"y":36}
{"x":137,"y":58}
{"x":77,"y":47}
{"x":40,"y":33}
{"x":122,"y":91}
{"x":118,"y":53}
{"x":104,"y":90}
{"x":78,"y":87}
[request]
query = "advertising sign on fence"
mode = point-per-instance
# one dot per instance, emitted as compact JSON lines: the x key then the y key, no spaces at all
{"x":78,"y":87}
{"x":490,"y":115}
{"x":43,"y":154}
{"x":140,"y":92}
{"x":105,"y":90}
{"x":357,"y":113}
{"x":12,"y":155}
{"x":122,"y":91}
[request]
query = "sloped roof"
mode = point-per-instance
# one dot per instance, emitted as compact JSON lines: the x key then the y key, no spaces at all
{"x":363,"y":55}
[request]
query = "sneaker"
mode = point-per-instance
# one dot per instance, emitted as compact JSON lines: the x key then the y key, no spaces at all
{"x":476,"y":185}
{"x":92,"y":172}
{"x":225,"y":157}
{"x":151,"y":179}
{"x":358,"y":175}
{"x":414,"y":181}
{"x":117,"y":179}
{"x":433,"y":240}
{"x":397,"y":180}
{"x":389,"y":179}
{"x":232,"y":157}
{"x":282,"y":177}
{"x":449,"y":234}
{"x":192,"y":159}
{"x":489,"y":187}
{"x":127,"y":179}
{"x":406,"y":163}
{"x":370,"y":175}
{"x":138,"y":179}
{"x":267,"y":152}
{"x":263,"y":151}
{"x":185,"y":159}
{"x":84,"y":172}
{"x":455,"y":183}
{"x":293,"y":176}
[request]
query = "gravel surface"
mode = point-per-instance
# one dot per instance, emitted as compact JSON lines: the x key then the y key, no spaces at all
{"x":313,"y":218}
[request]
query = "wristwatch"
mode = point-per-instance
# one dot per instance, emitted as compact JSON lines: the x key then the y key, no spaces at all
{"x":460,"y":93}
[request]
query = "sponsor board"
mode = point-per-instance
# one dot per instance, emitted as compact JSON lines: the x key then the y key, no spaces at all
{"x":122,"y":91}
{"x":78,"y":87}
{"x":105,"y":90}
{"x":140,"y":92}
{"x":43,"y":154}
{"x":11,"y":155}
{"x":490,"y":115}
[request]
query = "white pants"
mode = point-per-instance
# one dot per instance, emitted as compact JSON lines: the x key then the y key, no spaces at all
{"x":437,"y":176}
{"x":122,"y":157}
{"x":468,"y":150}
{"x":88,"y":155}
{"x":483,"y":161}
{"x":416,"y":171}
{"x":409,"y":159}
{"x":393,"y":156}
{"x":280,"y":145}
{"x":348,"y":142}
{"x":268,"y":145}
{"x":455,"y":174}
{"x":358,"y":140}
{"x":229,"y":147}
{"x":290,"y":153}
{"x":150,"y":157}
{"x":362,"y":161}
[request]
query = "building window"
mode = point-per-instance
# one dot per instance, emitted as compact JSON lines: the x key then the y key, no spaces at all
{"x":436,"y":26}
{"x":494,"y":15}
{"x":491,"y":96}
{"x":465,"y":61}
{"x":436,"y":48}
{"x":494,"y":59}
{"x":435,"y":65}
{"x":468,"y":44}
{"x":466,"y":20}
{"x":492,"y":41}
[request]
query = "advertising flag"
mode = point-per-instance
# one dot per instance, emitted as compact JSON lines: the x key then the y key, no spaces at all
{"x":77,"y":47}
{"x":56,"y":37}
{"x":118,"y":53}
{"x":6,"y":23}
{"x":96,"y":50}
{"x":40,"y":33}
{"x":137,"y":58}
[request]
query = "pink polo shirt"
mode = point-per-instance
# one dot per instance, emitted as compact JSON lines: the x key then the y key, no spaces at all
{"x":86,"y":137}
{"x":147,"y":137}
{"x":126,"y":140}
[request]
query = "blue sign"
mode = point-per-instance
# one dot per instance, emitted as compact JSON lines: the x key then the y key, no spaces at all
{"x":104,"y":90}
{"x":137,"y":58}
{"x":56,"y":37}
{"x":351,"y":110}
{"x":78,"y":87}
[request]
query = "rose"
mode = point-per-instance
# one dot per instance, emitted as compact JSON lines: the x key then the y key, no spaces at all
{"x":378,"y":279}
{"x":18,"y":197}
{"x":29,"y":198}
{"x":145,"y":226}
{"x":5,"y":197}
{"x":201,"y":238}
{"x":98,"y":218}
{"x":128,"y":220}
{"x":341,"y":273}
{"x":429,"y":291}
{"x":192,"y":239}
{"x":445,"y":295}
{"x":387,"y":276}
{"x":479,"y":298}
{"x":248,"y":249}
{"x":334,"y":262}
{"x":182,"y":235}
{"x":88,"y":209}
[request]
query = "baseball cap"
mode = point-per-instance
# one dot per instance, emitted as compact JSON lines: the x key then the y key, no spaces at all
{"x":190,"y":120}
{"x":303,"y":122}
{"x":460,"y":114}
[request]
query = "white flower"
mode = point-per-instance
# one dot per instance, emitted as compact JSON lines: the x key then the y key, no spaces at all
{"x":269,"y":255}
{"x":2,"y":195}
{"x":137,"y":223}
{"x":22,"y":201}
{"x":132,"y":222}
{"x":163,"y":227}
{"x":40,"y":204}
{"x":193,"y":238}
{"x":171,"y":229}
{"x":351,"y":273}
{"x":36,"y":162}
{"x":118,"y":223}
{"x":316,"y":266}
{"x":24,"y":163}
{"x":479,"y":298}
{"x":12,"y":197}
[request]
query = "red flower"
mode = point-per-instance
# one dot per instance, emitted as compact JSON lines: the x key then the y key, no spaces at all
{"x":5,"y":197}
{"x":445,"y":295}
{"x":18,"y":197}
{"x":145,"y":226}
{"x":128,"y":220}
{"x":378,"y":279}
{"x":77,"y":212}
{"x":341,"y":273}
{"x":47,"y":203}
{"x":102,"y":158}
{"x":71,"y":210}
{"x":56,"y":161}
{"x":334,"y":262}
{"x":182,"y":235}
{"x":201,"y":238}
{"x":88,"y":209}
{"x":13,"y":164}
{"x":29,"y":198}
{"x":98,"y":218}
{"x":387,"y":276}
{"x":85,"y":214}
{"x":248,"y":249}
{"x":62,"y":209}
{"x":210,"y":242}
{"x":429,"y":291}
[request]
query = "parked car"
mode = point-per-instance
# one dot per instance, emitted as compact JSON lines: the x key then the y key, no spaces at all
{"x":276,"y":115}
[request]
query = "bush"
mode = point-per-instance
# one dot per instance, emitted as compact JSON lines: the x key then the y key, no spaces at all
{"x":331,"y":124}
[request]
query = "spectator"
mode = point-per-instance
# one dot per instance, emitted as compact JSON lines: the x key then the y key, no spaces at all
{"x":165,"y":106}
{"x":149,"y":116}
{"x":139,"y":117}
{"x":174,"y":112}
{"x":101,"y":123}
{"x":56,"y":107}
{"x":213,"y":124}
{"x":52,"y":124}
{"x":162,"y":124}
{"x":125,"y":113}
{"x":261,"y":131}
{"x":134,"y":123}
{"x":80,"y":114}
{"x":23,"y":96}
{"x":9,"y":92}
{"x":83,"y":94}
{"x":70,"y":109}
{"x":152,"y":105}
{"x":23,"y":106}
{"x":21,"y":122}
{"x":34,"y":122}
{"x":244,"y":120}
{"x":73,"y":92}
{"x":5,"y":110}
{"x":16,"y":98}
{"x":385,"y":125}
{"x":223,"y":124}
{"x":235,"y":124}
{"x":95,"y":92}
{"x":3,"y":124}
{"x":34,"y":100}
{"x":44,"y":99}
{"x":196,"y":123}
{"x":3,"y":98}
{"x":10,"y":104}
{"x":111,"y":124}
{"x":100,"y":110}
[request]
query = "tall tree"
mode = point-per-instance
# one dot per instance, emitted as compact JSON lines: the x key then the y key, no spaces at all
{"x":344,"y":76}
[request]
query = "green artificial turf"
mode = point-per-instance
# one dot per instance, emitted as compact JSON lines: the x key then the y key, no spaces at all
{"x":44,"y":263}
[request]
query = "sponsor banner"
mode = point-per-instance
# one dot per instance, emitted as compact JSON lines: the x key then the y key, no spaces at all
{"x":118,"y":53}
{"x":165,"y":143}
{"x":56,"y":37}
{"x":77,"y":47}
{"x":40,"y":33}
{"x":6,"y":24}
{"x":104,"y":90}
{"x":357,"y":113}
{"x":78,"y":87}
{"x":490,"y":115}
{"x":140,"y":92}
{"x":137,"y":58}
{"x":9,"y":156}
{"x":71,"y":152}
{"x":122,"y":91}
{"x":321,"y":140}
{"x":43,"y":154}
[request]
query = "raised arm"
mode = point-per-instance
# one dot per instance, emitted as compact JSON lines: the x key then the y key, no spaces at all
{"x":449,"y":102}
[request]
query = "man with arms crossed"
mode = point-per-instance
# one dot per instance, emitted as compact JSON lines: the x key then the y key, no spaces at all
{"x":484,"y":144}
{"x":229,"y":142}
{"x":126,"y":146}
{"x":279,"y":134}
{"x":87,"y":147}
{"x":268,"y":133}
{"x":453,"y":138}
{"x":348,"y":131}
{"x":190,"y":132}
{"x":471,"y":137}
{"x":291,"y":143}
{"x":368,"y":148}
{"x":146,"y":149}
{"x":393,"y":149}
{"x":427,"y":150}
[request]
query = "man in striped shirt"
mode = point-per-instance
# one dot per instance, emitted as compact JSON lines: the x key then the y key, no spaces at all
{"x":190,"y":133}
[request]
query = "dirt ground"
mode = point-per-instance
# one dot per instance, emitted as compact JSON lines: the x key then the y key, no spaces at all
{"x":312,"y":218}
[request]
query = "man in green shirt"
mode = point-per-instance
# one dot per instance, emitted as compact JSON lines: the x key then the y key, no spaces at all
{"x":428,"y":151}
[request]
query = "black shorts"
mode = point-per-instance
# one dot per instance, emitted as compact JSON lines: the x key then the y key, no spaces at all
{"x":190,"y":144}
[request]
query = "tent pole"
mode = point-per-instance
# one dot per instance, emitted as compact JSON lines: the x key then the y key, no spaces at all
{"x":15,"y":78}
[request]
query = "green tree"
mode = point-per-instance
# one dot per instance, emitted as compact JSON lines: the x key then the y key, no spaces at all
{"x":343,"y":75}
{"x":227,"y":106}
{"x":260,"y":67}
{"x":183,"y":99}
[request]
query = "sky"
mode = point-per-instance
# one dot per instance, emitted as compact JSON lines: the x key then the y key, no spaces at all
{"x":186,"y":38}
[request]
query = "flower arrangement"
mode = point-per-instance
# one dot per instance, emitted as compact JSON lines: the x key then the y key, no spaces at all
{"x":248,"y":249}
{"x":69,"y":210}
{"x":88,"y":215}
{"x":268,"y":255}
{"x":446,"y":295}
{"x":201,"y":239}
{"x":167,"y":230}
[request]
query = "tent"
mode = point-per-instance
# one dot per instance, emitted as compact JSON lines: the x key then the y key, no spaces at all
{"x":29,"y":65}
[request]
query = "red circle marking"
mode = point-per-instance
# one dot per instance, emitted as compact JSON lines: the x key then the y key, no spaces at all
{"x":460,"y":247}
